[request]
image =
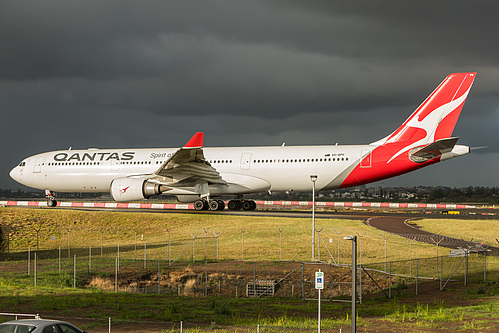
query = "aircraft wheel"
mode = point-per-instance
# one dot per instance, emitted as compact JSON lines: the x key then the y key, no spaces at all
{"x":51,"y":202}
{"x":234,"y":205}
{"x":221,"y":205}
{"x":249,"y":205}
{"x":200,"y":205}
{"x":214,"y":205}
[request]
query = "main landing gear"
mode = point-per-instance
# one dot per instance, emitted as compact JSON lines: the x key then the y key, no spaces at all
{"x":203,"y":204}
{"x":244,"y":204}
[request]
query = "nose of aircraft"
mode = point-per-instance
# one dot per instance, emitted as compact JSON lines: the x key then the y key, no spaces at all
{"x":14,"y":174}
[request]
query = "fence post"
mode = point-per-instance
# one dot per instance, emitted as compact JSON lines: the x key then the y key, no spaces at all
{"x":205,"y":243}
{"x":417,"y":276}
{"x":29,"y":260}
{"x":135,"y":245}
{"x":280,"y":245}
{"x":159,"y":277}
{"x":410,"y":254}
{"x":242,"y":243}
{"x":206,"y":278}
{"x":109,"y":324}
{"x":485,"y":267}
{"x":217,"y":240}
{"x":303,"y":281}
{"x":466,"y":271}
{"x":254,"y":279}
{"x":118,"y":260}
{"x":338,"y":245}
{"x":194,"y":247}
{"x":390,"y":280}
{"x":360,"y":247}
{"x":69,"y":241}
{"x":74,"y":272}
{"x":360,"y":283}
{"x":34,"y":266}
{"x":115,"y":280}
{"x":90,"y":258}
{"x":169,"y":248}
{"x":100,"y":242}
{"x":330,"y":281}
{"x":441,"y":271}
{"x":385,"y":239}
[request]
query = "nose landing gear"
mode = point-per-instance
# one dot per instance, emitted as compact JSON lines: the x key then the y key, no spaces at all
{"x":51,"y":202}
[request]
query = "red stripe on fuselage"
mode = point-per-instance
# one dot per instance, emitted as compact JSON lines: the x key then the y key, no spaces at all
{"x":380,"y":169}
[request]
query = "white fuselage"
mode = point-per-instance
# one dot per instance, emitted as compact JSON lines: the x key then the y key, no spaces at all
{"x":256,"y":169}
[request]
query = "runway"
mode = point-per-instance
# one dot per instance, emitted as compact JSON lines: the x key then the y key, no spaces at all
{"x":407,"y":227}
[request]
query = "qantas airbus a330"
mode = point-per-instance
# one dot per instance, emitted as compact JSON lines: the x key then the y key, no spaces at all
{"x":199,"y":175}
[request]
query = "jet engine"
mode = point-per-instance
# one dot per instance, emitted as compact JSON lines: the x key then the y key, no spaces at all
{"x":131,"y":189}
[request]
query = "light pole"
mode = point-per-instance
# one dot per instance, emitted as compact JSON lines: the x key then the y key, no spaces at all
{"x":354,"y":281}
{"x":313,"y":178}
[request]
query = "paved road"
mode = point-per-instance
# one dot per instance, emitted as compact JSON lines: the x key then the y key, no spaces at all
{"x":407,"y":227}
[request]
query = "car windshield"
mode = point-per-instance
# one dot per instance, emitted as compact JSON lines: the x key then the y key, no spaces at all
{"x":13,"y":328}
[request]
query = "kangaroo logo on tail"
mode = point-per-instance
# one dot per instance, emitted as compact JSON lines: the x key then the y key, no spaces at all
{"x":436,"y":118}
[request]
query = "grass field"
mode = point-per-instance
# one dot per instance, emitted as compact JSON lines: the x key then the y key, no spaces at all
{"x":265,"y":238}
{"x":486,"y":231}
{"x":460,"y":308}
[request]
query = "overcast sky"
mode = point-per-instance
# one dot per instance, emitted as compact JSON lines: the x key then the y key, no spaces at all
{"x":117,"y":74}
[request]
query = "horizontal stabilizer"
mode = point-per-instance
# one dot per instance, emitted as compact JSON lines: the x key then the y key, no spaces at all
{"x":433,"y":150}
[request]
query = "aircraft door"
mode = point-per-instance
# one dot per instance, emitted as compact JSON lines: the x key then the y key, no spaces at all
{"x":245,"y":161}
{"x":38,"y":165}
{"x":115,"y":165}
{"x":366,"y":157}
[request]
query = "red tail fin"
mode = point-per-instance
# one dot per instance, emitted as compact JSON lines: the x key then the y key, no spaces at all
{"x":436,"y":118}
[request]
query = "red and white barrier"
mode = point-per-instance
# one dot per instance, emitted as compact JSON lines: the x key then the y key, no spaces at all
{"x":122,"y":205}
{"x":365,"y":205}
{"x":144,"y":205}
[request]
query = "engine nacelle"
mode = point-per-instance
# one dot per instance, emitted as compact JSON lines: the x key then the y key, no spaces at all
{"x":131,"y":189}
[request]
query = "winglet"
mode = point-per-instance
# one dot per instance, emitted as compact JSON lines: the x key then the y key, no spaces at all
{"x":196,"y":141}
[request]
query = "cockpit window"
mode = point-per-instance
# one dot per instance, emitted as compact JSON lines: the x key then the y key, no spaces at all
{"x":22,"y":164}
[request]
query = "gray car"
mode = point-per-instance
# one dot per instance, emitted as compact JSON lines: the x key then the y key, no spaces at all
{"x":38,"y":326}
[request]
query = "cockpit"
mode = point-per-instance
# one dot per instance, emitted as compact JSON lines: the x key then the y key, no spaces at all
{"x":23,"y":163}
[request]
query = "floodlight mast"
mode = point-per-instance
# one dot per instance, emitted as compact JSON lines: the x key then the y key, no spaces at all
{"x":313,"y":178}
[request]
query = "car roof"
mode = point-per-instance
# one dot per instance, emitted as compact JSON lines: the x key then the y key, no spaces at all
{"x":33,"y":322}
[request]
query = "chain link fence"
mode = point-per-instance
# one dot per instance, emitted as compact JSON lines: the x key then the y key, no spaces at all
{"x":113,"y":325}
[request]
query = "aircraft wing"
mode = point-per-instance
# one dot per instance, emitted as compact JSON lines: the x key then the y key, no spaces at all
{"x":188,"y":166}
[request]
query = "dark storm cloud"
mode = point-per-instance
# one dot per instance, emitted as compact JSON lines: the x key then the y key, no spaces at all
{"x":225,"y":58}
{"x":151,"y":73}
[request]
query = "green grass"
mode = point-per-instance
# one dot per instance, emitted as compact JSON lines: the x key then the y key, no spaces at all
{"x":486,"y":231}
{"x":81,"y":230}
{"x":54,"y":292}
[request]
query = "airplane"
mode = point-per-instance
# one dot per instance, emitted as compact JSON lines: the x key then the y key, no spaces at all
{"x":197,"y":174}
